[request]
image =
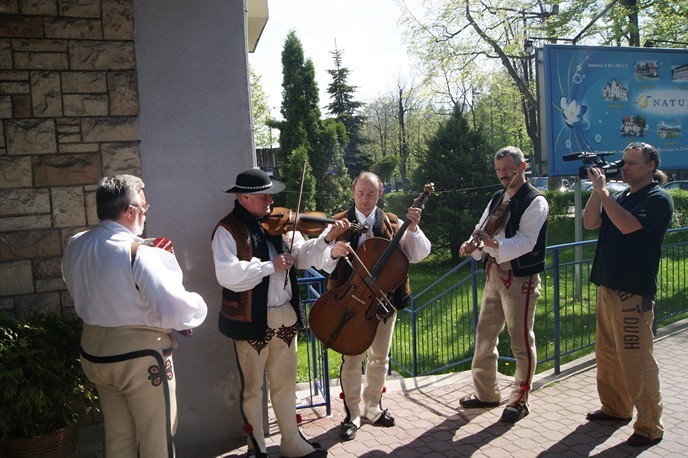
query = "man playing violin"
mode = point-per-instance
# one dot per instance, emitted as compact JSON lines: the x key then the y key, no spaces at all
{"x":515,"y":256}
{"x":367,"y":190}
{"x":261,"y":311}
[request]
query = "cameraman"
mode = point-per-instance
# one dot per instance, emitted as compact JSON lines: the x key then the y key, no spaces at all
{"x":632,"y":226}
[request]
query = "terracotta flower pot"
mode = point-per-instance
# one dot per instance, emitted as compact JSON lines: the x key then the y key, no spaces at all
{"x":59,"y":444}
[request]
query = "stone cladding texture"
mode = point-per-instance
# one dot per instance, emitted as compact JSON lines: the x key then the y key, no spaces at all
{"x":69,"y":108}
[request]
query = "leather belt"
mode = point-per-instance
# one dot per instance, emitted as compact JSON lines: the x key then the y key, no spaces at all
{"x":503,"y":266}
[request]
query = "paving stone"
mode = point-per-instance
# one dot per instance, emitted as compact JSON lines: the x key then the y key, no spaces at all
{"x":430,"y":423}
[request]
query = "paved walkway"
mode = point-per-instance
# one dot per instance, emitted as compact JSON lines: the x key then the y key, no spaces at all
{"x":430,"y":423}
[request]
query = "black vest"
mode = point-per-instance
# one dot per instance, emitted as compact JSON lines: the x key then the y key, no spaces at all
{"x":244,"y":315}
{"x":386,"y":226}
{"x":534,"y":261}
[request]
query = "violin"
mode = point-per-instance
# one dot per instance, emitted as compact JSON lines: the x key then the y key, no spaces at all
{"x":494,"y":221}
{"x":312,"y":224}
{"x":492,"y":225}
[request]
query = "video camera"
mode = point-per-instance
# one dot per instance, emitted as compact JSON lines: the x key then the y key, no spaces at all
{"x":610,"y":169}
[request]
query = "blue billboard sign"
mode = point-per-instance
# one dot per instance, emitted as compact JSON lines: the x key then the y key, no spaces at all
{"x":599,"y":99}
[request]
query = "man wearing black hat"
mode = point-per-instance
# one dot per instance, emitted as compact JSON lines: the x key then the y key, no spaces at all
{"x":259,"y":313}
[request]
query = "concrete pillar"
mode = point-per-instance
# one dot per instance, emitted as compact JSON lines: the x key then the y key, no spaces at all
{"x":195,"y":137}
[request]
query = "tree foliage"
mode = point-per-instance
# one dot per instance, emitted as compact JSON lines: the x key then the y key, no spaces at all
{"x":463,"y":44}
{"x":303,"y":130}
{"x":291,"y":172}
{"x":262,"y":135}
{"x":458,"y":160}
{"x":398,"y":123}
{"x":347,"y":110}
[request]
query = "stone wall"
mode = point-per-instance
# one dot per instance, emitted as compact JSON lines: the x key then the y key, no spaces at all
{"x":69,"y":110}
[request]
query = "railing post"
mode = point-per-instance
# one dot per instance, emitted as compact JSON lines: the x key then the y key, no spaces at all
{"x":556,"y":325}
{"x":414,"y":340}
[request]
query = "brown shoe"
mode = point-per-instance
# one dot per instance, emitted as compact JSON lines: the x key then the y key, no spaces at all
{"x":637,"y":440}
{"x":598,"y":415}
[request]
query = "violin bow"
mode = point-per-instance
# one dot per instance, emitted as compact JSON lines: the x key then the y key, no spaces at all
{"x":296,"y":219}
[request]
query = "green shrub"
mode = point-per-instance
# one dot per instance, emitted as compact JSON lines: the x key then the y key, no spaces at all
{"x":43,"y":386}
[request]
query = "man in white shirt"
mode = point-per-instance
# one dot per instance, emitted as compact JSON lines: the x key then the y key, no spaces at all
{"x":515,"y":255}
{"x":367,"y":190}
{"x":131,"y":297}
{"x":261,"y":309}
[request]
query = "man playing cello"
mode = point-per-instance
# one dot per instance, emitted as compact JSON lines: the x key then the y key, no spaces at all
{"x":515,"y":255}
{"x":367,"y":190}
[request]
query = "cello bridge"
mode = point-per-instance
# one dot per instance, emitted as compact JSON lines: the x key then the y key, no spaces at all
{"x":353,"y":296}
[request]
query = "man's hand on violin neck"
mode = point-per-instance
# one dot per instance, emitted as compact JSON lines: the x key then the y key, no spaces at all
{"x":337,"y":229}
{"x":283,"y":262}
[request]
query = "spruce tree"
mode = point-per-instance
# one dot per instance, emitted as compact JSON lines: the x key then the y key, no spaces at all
{"x":346,"y":110}
{"x":302,"y":130}
{"x":458,"y":161}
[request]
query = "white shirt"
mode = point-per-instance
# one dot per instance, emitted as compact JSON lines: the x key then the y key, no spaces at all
{"x":102,"y":281}
{"x":415,"y":244}
{"x":237,"y":275}
{"x":525,"y":238}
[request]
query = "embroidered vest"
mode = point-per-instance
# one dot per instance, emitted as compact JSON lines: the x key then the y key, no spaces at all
{"x":534,"y":261}
{"x":244,"y":315}
{"x":386,"y":225}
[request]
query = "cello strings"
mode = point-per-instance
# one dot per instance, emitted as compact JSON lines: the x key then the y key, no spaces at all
{"x":382,"y":293}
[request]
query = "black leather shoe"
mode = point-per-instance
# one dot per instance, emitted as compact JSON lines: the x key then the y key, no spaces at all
{"x":471,"y":402}
{"x":347,"y":431}
{"x":256,"y":454}
{"x":317,"y":453}
{"x":637,"y":440}
{"x":514,"y":413}
{"x":385,"y":420}
{"x":598,"y":415}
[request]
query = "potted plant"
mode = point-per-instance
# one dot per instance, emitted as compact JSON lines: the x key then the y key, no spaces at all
{"x":44,"y":390}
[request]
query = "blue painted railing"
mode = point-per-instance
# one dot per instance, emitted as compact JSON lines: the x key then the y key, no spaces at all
{"x":441,"y":321}
{"x":443,"y":316}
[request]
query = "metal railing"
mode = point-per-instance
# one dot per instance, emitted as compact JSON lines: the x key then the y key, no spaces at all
{"x":437,"y":333}
{"x":317,"y":361}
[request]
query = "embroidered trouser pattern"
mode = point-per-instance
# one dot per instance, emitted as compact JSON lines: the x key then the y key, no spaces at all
{"x":375,"y":375}
{"x":627,"y":372}
{"x":277,"y":353}
{"x":133,"y":372}
{"x":509,"y":300}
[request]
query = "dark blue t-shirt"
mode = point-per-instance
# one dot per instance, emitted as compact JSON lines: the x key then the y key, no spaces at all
{"x":630,"y":262}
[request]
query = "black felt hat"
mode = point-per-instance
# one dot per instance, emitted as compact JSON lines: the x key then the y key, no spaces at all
{"x":255,"y":181}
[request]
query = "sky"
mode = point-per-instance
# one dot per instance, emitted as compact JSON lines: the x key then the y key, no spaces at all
{"x":366,"y":31}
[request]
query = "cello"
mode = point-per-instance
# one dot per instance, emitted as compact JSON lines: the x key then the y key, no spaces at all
{"x":345,"y":318}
